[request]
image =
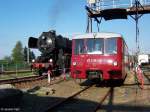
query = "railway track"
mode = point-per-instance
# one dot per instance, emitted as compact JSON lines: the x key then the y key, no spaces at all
{"x":42,"y":84}
{"x":13,"y":72}
{"x":23,"y":79}
{"x":146,"y":73}
{"x":146,"y":68}
{"x":80,"y":100}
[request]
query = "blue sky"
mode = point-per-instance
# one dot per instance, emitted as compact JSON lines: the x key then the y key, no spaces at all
{"x":20,"y":19}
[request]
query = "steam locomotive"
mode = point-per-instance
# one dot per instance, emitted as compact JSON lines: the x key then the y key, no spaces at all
{"x":55,"y":52}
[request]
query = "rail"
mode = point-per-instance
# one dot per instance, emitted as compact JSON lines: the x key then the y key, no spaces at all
{"x":64,"y":101}
{"x":12,"y":72}
{"x":55,"y":105}
{"x":23,"y":79}
{"x":102,"y":100}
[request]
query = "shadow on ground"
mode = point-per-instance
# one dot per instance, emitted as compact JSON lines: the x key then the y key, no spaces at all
{"x":98,"y":83}
{"x":34,"y":103}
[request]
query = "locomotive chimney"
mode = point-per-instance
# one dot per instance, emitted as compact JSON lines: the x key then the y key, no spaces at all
{"x":53,"y":32}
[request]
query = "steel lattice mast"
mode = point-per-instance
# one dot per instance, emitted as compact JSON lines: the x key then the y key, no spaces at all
{"x":117,"y":9}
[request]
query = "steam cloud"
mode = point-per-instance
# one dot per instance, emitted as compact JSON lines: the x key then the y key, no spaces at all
{"x":58,"y":8}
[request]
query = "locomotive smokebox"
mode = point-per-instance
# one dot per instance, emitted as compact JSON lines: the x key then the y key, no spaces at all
{"x":32,"y":42}
{"x":46,"y":42}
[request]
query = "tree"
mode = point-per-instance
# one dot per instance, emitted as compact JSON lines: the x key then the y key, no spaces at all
{"x":31,"y":54}
{"x":7,"y":59}
{"x":25,"y":53}
{"x":17,"y":53}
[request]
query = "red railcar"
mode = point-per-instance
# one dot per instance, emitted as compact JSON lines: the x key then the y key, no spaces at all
{"x":99,"y":55}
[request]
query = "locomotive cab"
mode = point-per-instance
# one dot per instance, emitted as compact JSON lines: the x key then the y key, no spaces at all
{"x":99,"y":55}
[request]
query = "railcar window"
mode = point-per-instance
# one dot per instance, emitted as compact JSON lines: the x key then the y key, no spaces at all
{"x":110,"y":46}
{"x":79,"y":46}
{"x":95,"y":46}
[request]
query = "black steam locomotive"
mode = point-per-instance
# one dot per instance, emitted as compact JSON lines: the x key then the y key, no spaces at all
{"x":55,"y":52}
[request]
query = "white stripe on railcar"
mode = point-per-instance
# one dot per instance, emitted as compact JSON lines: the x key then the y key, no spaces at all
{"x":97,"y":35}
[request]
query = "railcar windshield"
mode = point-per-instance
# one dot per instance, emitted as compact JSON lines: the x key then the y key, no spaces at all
{"x":79,"y":46}
{"x":95,"y":46}
{"x":110,"y":46}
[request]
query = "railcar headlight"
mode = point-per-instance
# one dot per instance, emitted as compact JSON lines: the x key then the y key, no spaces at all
{"x":115,"y":63}
{"x":110,"y":61}
{"x":74,"y":63}
{"x":33,"y":60}
{"x":51,"y":60}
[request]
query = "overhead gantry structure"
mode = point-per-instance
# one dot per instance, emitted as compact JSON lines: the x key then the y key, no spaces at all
{"x":116,"y":9}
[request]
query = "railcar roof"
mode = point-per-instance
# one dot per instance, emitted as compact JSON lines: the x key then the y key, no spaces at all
{"x":97,"y":35}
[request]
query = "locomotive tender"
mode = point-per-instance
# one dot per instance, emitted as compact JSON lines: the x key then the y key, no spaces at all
{"x":99,"y":56}
{"x":55,"y":52}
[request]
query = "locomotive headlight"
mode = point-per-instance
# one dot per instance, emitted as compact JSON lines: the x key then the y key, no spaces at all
{"x":43,"y":37}
{"x":49,"y":41}
{"x":74,"y":63}
{"x":115,"y":63}
{"x":51,"y":60}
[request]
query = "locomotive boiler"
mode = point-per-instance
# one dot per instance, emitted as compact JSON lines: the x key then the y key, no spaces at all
{"x":55,"y":52}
